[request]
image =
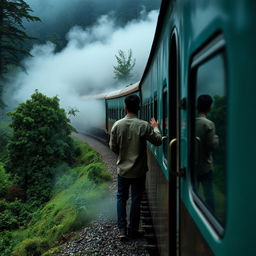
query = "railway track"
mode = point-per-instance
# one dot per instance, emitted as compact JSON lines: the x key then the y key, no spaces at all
{"x":101,"y":236}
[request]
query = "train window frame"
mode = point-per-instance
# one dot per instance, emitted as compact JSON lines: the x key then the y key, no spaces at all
{"x":151,"y":109}
{"x":164,"y":130}
{"x":211,"y":49}
{"x":155,"y":114}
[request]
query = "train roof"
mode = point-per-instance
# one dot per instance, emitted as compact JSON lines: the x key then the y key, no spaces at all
{"x":128,"y":89}
{"x":123,"y":92}
{"x":94,"y":97}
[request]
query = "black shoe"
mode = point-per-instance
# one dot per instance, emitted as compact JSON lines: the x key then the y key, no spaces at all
{"x":122,"y":235}
{"x":135,"y":235}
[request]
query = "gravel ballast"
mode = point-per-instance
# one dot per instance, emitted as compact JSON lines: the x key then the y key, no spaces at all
{"x":100,"y":237}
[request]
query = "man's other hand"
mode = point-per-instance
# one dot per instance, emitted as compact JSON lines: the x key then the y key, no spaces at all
{"x":153,"y":123}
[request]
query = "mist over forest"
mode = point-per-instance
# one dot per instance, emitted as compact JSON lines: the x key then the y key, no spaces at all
{"x":75,"y":50}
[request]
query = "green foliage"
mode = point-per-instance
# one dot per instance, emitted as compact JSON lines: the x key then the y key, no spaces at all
{"x":75,"y":201}
{"x":12,"y":16}
{"x":52,"y":251}
{"x":13,"y":214}
{"x":40,"y":142}
{"x":98,"y":174}
{"x":7,"y":242}
{"x":5,"y":133}
{"x":4,"y":181}
{"x":125,"y":64}
{"x":31,"y":247}
{"x":84,"y":154}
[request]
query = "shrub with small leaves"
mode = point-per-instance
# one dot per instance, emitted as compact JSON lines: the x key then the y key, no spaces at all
{"x":31,"y":247}
{"x":4,"y":181}
{"x":40,"y":142}
{"x":97,"y":173}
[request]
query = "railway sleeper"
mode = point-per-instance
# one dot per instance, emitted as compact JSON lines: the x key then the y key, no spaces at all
{"x":147,"y":227}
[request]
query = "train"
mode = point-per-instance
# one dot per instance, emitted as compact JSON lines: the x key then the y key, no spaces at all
{"x":201,"y":47}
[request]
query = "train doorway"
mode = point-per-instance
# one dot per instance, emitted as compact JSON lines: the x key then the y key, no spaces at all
{"x":173,"y":161}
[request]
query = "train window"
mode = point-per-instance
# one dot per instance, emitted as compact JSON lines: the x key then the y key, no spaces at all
{"x":165,"y":121}
{"x":208,"y":139}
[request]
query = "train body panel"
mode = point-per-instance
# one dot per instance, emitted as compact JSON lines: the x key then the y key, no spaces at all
{"x":201,"y":48}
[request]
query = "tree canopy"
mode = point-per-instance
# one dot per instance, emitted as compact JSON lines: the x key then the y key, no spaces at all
{"x":40,"y":142}
{"x":13,"y":13}
{"x":125,"y":64}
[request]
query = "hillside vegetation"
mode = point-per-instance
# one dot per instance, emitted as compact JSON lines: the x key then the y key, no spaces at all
{"x":76,"y":198}
{"x":50,"y":183}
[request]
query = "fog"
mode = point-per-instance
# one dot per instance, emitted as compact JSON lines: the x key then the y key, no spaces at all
{"x":84,"y":66}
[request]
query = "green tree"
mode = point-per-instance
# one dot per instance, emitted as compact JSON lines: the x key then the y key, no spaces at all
{"x":40,"y":142}
{"x":13,"y":13}
{"x":125,"y":64}
{"x":12,"y":34}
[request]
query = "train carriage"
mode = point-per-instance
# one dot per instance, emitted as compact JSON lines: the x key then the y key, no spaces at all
{"x":201,"y":47}
{"x":115,"y":104}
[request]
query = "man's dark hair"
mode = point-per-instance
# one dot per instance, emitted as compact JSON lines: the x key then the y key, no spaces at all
{"x":204,"y":103}
{"x":132,"y":103}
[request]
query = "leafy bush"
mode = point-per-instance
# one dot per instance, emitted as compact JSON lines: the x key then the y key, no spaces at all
{"x":31,"y":247}
{"x":13,"y":214}
{"x":85,"y":154}
{"x":4,"y":181}
{"x":15,"y":192}
{"x":41,"y":141}
{"x":5,"y":133}
{"x":77,"y":197}
{"x":7,"y":242}
{"x":97,"y":173}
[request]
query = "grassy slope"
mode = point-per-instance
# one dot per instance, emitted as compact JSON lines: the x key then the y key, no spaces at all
{"x":75,"y":200}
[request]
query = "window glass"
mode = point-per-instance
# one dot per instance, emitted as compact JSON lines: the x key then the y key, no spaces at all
{"x":209,"y":133}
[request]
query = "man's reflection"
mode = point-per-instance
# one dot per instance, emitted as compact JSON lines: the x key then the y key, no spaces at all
{"x":206,"y":141}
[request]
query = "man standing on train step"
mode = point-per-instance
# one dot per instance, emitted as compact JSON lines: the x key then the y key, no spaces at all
{"x":128,"y":139}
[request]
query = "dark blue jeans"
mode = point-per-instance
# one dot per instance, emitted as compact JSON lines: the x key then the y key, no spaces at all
{"x":207,"y":183}
{"x":137,"y":188}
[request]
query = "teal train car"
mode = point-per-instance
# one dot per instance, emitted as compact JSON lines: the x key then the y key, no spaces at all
{"x":114,"y":103}
{"x":201,"y":47}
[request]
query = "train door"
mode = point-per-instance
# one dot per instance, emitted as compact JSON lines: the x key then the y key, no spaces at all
{"x":173,"y":143}
{"x":203,"y":190}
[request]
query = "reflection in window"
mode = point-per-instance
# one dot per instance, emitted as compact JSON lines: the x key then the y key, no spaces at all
{"x":210,"y":135}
